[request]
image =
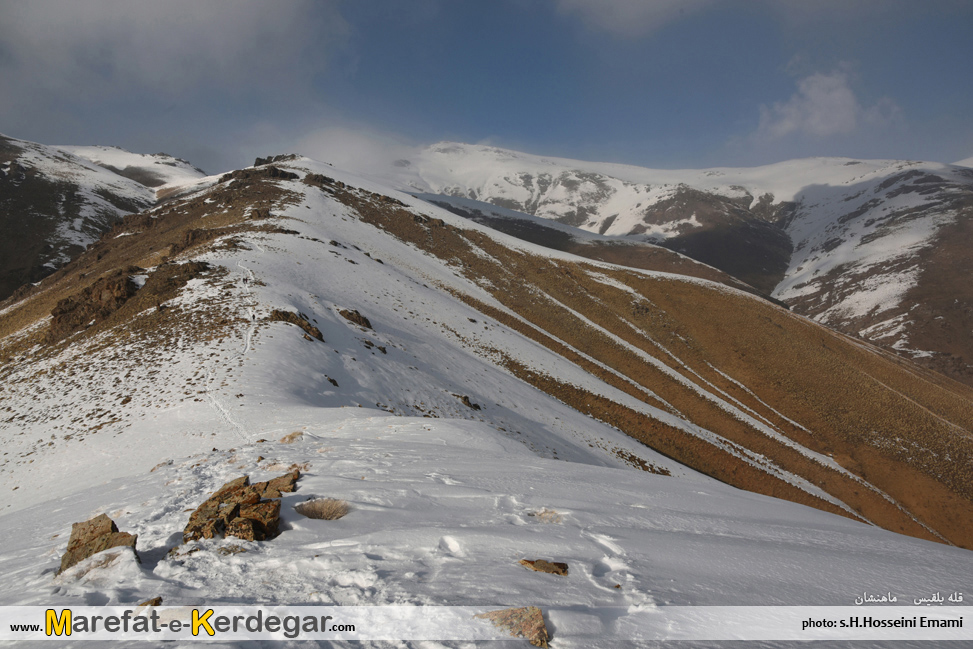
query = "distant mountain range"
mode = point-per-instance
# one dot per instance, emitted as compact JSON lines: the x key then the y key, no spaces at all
{"x":875,"y":249}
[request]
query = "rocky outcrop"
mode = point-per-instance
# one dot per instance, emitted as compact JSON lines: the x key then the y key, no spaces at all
{"x":99,"y":301}
{"x":283,"y":157}
{"x":466,"y":402}
{"x":526,"y":622}
{"x":320,"y":180}
{"x":93,"y":536}
{"x":194,"y":237}
{"x":256,"y":174}
{"x":355,"y":317}
{"x":238,"y":508}
{"x":540,"y":565}
{"x":298,"y":319}
{"x":93,"y":304}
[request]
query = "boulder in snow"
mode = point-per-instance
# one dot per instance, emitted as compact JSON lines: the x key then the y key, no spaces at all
{"x":539,"y":565}
{"x":240,"y":509}
{"x":525,"y":622}
{"x":93,"y":536}
{"x":355,"y":317}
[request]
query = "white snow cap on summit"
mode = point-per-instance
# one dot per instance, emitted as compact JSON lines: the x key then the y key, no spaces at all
{"x":157,"y":169}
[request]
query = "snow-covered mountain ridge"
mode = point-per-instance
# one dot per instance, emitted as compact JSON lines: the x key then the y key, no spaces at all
{"x":52,"y":205}
{"x":152,"y":170}
{"x":55,"y":201}
{"x":851,"y":243}
{"x":703,"y":373}
{"x":483,"y":380}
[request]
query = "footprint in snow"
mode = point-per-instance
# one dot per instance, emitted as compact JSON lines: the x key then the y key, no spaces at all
{"x":612,"y":570}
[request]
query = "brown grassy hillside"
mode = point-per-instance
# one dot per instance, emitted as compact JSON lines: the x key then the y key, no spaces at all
{"x":895,"y":437}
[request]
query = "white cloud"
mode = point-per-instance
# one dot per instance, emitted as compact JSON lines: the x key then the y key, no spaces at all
{"x":824,"y":105}
{"x":632,"y":17}
{"x":356,"y":149}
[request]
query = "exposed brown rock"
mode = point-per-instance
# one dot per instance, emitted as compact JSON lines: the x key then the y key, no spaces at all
{"x":540,"y":565}
{"x":241,"y":509}
{"x":213,"y":528}
{"x":526,"y":622}
{"x":265,"y":514}
{"x":164,"y":283}
{"x":297,"y":319}
{"x":194,"y":237}
{"x":227,"y":550}
{"x":155,"y":601}
{"x":466,"y":401}
{"x":198,"y":521}
{"x":255,"y":174}
{"x":285,"y":483}
{"x":232,"y":485}
{"x":94,"y":303}
{"x":243,"y":496}
{"x":318,"y":180}
{"x":246,"y":529}
{"x":93,"y":536}
{"x":283,"y":157}
{"x":357,"y":318}
{"x":117,"y":293}
{"x":228,"y":511}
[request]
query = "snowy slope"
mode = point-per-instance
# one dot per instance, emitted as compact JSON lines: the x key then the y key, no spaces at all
{"x":441,"y":491}
{"x":54,"y":203}
{"x":443,"y":510}
{"x":152,"y":170}
{"x":857,"y":251}
{"x":966,"y":162}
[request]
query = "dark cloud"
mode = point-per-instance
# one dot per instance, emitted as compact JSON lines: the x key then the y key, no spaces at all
{"x":166,"y":48}
{"x":65,"y":61}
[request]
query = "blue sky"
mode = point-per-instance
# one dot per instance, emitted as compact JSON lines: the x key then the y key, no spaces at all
{"x":661,"y":83}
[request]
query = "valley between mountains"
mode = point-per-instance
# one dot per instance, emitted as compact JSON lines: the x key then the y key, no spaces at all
{"x":698,"y":442}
